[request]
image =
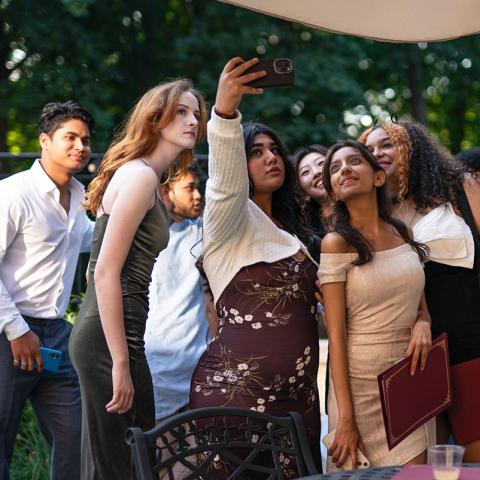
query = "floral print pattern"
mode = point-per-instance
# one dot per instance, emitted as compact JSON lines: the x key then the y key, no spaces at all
{"x":285,"y":286}
{"x":232,"y":376}
{"x":265,"y":356}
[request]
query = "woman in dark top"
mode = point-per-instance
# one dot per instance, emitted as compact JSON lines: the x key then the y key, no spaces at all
{"x":132,"y":227}
{"x":440,"y":202}
{"x":265,"y":356}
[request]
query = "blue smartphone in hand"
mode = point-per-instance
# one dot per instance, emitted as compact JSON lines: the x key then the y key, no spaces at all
{"x":50,"y":358}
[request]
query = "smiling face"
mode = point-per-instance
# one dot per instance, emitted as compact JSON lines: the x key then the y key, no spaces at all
{"x":310,"y":175}
{"x":67,"y":149}
{"x":384,"y":150}
{"x":266,"y":167}
{"x":351,"y":174}
{"x":182,"y":131}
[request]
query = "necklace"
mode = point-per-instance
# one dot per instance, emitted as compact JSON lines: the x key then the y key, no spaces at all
{"x":412,"y":219}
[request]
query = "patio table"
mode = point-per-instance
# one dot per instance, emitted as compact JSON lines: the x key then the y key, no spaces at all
{"x":380,"y":473}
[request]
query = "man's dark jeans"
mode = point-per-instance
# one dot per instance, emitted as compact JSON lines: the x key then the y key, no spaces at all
{"x":55,"y":397}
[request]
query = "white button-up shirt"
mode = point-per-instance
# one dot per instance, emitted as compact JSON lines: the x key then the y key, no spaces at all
{"x":39,"y":247}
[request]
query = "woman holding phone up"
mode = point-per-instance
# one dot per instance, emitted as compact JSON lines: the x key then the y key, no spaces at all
{"x":265,"y":356}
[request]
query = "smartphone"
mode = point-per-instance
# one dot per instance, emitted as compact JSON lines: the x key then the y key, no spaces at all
{"x":362,"y":460}
{"x":50,"y":358}
{"x":280,"y":73}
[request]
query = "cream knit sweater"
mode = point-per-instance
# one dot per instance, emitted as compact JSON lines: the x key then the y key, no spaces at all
{"x":236,"y":232}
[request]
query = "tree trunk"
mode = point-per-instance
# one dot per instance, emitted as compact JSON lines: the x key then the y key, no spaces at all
{"x":415,"y":83}
{"x":3,"y":135}
{"x":4,"y":103}
{"x":457,"y":129}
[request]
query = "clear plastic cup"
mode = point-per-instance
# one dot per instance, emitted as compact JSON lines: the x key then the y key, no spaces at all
{"x":446,"y":461}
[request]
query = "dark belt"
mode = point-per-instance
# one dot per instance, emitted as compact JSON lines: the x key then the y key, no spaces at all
{"x":40,"y":322}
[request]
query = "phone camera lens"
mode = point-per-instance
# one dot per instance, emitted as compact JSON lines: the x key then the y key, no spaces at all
{"x":283,"y":65}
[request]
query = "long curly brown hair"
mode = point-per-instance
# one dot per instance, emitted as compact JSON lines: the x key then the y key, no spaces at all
{"x":399,"y":137}
{"x":139,"y":134}
{"x":427,"y":172}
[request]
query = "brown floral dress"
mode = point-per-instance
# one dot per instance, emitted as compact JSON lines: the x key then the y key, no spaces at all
{"x":265,"y":356}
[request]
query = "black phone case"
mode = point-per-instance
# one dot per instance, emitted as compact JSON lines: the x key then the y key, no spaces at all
{"x":273,"y":78}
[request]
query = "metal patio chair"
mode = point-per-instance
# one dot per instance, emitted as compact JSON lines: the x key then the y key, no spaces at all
{"x":232,"y":443}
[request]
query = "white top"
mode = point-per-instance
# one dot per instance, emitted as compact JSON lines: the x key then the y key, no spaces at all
{"x":177,"y":327}
{"x":39,"y":247}
{"x":447,"y":235}
{"x":236,"y":232}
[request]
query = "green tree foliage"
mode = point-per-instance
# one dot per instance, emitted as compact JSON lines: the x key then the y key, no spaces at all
{"x":31,"y":457}
{"x":106,"y":54}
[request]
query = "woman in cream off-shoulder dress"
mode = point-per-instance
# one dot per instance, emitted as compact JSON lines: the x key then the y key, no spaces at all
{"x":372,"y":280}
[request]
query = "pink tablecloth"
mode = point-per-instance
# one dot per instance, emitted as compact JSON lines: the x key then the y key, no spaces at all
{"x":425,"y":472}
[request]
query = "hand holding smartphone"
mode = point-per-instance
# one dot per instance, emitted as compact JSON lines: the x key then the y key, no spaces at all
{"x":241,"y":77}
{"x":50,"y":359}
{"x":362,"y":460}
{"x":280,"y":73}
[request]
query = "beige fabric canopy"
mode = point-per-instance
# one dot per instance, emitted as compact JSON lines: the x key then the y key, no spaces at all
{"x":395,"y":21}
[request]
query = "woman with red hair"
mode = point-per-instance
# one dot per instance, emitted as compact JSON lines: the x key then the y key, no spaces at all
{"x":131,"y":229}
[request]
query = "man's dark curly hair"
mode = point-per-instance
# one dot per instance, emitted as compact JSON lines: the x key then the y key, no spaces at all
{"x":54,"y":114}
{"x":311,"y":210}
{"x":285,"y":207}
{"x":434,"y":178}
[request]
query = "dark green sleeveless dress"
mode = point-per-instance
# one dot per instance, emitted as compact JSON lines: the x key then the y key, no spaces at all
{"x":105,"y":455}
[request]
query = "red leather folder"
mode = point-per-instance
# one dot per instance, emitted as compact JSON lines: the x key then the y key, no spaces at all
{"x":464,"y":414}
{"x":408,"y":401}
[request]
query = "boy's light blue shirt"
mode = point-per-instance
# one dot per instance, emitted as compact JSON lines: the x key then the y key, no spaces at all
{"x":177,"y":327}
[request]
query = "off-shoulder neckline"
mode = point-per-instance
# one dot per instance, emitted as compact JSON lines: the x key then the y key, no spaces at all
{"x":378,"y":254}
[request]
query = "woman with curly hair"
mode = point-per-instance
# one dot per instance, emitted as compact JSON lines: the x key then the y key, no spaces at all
{"x":265,"y":356}
{"x":308,"y":162}
{"x":372,"y":281}
{"x":131,"y":228}
{"x":435,"y":197}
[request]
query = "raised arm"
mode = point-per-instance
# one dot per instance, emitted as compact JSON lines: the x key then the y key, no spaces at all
{"x":226,"y":194}
{"x":135,"y":195}
{"x":347,"y":437}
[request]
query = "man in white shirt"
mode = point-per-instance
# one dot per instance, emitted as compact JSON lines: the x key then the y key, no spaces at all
{"x":43,"y":228}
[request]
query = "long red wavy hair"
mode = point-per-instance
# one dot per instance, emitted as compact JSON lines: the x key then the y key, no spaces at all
{"x":139,"y":135}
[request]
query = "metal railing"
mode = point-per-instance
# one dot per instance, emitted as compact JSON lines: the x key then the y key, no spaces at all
{"x":79,"y":282}
{"x":89,"y":171}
